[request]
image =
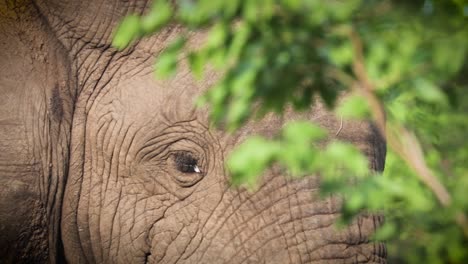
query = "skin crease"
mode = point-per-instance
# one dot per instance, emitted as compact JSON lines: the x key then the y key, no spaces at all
{"x":126,"y":199}
{"x":131,"y":209}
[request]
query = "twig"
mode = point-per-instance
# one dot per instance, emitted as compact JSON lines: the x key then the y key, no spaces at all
{"x":405,"y":144}
{"x":400,"y":139}
{"x":341,"y":126}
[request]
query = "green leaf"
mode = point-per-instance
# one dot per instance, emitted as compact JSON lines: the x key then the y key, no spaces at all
{"x":197,"y":62}
{"x":166,"y":63}
{"x":217,"y":35}
{"x":385,"y":232}
{"x":251,"y":11}
{"x":354,"y":106}
{"x":127,"y":31}
{"x":342,"y":54}
{"x":299,"y":154}
{"x":302,"y":132}
{"x":177,"y":44}
{"x":241,"y":35}
{"x":239,"y":110}
{"x":159,"y":15}
{"x":346,"y":156}
{"x":293,"y":4}
{"x":342,"y":10}
{"x":355,"y":202}
{"x":428,"y":91}
{"x":250,"y":159}
{"x":450,"y":53}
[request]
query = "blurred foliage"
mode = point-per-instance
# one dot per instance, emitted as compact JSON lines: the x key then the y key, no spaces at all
{"x":405,"y":58}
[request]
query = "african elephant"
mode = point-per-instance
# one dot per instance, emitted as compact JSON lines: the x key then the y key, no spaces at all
{"x":102,"y":163}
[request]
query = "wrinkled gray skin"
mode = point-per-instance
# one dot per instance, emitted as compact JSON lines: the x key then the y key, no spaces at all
{"x":89,"y":150}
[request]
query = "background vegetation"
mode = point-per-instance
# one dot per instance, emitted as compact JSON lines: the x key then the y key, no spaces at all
{"x":405,"y":65}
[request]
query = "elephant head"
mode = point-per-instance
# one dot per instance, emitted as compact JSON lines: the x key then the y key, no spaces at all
{"x":102,"y":163}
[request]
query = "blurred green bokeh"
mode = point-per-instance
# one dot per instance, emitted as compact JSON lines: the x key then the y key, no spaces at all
{"x":409,"y":56}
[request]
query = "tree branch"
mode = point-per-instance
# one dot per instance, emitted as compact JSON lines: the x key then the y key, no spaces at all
{"x":400,"y":139}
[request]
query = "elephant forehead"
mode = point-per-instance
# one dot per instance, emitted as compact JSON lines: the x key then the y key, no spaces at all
{"x":136,"y":97}
{"x":143,"y":99}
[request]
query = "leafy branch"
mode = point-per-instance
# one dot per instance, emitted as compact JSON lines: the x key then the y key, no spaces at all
{"x":405,"y":61}
{"x":400,"y":139}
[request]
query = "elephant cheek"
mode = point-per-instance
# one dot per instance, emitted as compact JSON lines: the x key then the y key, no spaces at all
{"x":180,"y":235}
{"x":168,"y":240}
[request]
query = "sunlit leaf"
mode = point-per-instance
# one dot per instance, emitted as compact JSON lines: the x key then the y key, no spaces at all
{"x":250,"y":159}
{"x":354,"y":107}
{"x":385,"y":232}
{"x":348,"y":157}
{"x":302,"y":132}
{"x":160,"y":13}
{"x":428,"y":91}
{"x":197,"y":62}
{"x":128,"y":30}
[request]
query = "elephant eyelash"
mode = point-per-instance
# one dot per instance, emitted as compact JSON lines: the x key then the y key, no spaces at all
{"x":186,"y":163}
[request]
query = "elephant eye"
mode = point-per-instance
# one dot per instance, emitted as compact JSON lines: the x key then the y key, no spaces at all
{"x":186,"y":163}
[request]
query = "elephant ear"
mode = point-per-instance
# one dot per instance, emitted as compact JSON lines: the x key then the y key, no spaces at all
{"x":36,"y":101}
